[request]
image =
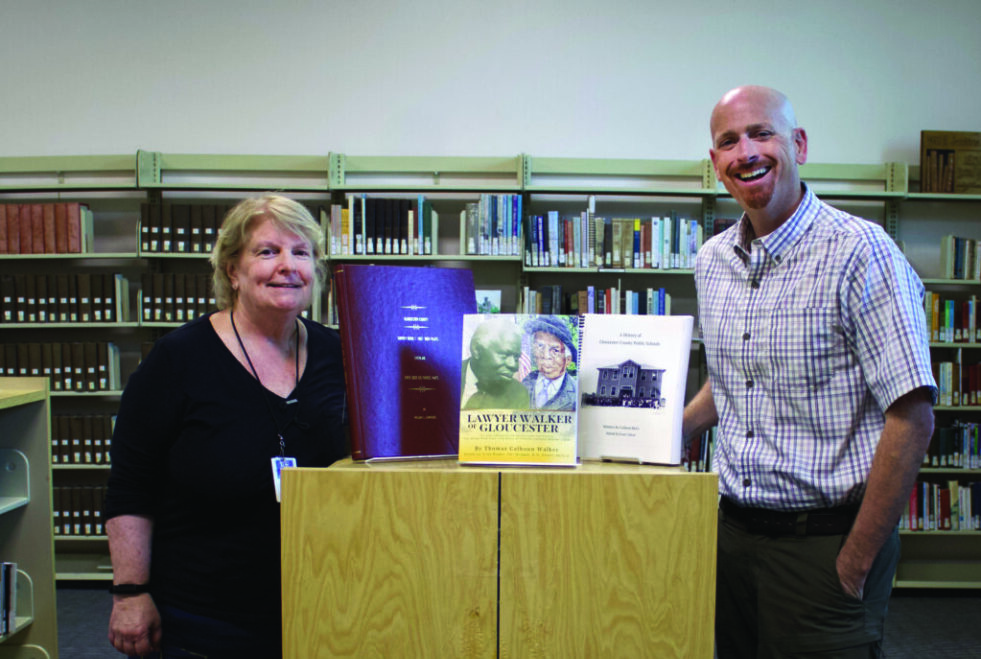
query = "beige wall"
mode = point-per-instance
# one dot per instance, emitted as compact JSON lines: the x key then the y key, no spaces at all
{"x":621,"y":78}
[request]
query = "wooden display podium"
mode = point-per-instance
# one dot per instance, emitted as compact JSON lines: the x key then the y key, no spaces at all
{"x":431,"y":559}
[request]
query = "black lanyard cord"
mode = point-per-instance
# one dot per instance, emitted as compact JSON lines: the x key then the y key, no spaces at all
{"x":265,"y":392}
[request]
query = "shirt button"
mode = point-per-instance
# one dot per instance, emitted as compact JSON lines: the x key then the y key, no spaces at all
{"x":754,"y":284}
{"x":749,"y":434}
{"x":749,"y":384}
{"x":746,"y":482}
{"x":746,"y":336}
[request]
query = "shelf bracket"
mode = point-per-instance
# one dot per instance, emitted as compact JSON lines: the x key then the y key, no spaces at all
{"x":708,"y":217}
{"x":147,"y":168}
{"x":335,"y":167}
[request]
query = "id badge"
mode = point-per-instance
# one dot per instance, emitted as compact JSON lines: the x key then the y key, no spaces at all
{"x":278,"y":464}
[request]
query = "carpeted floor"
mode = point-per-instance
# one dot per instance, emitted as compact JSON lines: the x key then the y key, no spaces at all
{"x":921,"y":624}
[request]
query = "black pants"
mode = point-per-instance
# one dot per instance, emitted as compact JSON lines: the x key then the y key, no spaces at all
{"x":781,"y":597}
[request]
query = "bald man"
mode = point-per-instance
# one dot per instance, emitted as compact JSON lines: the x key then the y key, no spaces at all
{"x":819,"y":380}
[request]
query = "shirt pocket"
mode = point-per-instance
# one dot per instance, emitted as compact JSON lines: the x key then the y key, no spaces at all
{"x":806,"y":351}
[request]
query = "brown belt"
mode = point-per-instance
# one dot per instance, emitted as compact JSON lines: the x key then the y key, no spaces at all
{"x":820,"y":521}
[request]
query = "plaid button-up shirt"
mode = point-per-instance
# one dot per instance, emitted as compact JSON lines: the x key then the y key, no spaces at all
{"x":811,"y":332}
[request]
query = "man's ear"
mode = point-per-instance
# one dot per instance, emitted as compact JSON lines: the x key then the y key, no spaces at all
{"x":800,"y":144}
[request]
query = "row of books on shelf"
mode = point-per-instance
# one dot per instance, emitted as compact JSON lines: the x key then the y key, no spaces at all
{"x":958,"y":384}
{"x":551,"y":300}
{"x":64,"y":298}
{"x":954,"y":447}
{"x":666,"y":243}
{"x":949,"y":161}
{"x":959,"y":258}
{"x":943,"y":506}
{"x":79,"y":366}
{"x":77,"y":510}
{"x":175,"y":297}
{"x":951,"y":320}
{"x":168,"y":228}
{"x":8,"y":597}
{"x":81,"y":439}
{"x":46,"y":228}
{"x":696,"y":453}
{"x":406,"y":226}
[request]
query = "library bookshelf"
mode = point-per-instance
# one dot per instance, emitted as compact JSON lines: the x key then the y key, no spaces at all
{"x":128,"y":193}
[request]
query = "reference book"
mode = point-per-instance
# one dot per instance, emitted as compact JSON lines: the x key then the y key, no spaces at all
{"x":632,"y":376}
{"x":401,"y":329}
{"x":519,"y":391}
{"x":950,"y":161}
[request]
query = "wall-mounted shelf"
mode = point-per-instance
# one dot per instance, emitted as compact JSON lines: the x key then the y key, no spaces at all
{"x":421,"y":173}
{"x":186,"y":172}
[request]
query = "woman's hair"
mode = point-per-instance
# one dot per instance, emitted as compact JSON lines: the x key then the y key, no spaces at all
{"x":237,"y":228}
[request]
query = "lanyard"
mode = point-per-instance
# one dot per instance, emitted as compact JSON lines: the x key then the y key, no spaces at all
{"x":265,"y":392}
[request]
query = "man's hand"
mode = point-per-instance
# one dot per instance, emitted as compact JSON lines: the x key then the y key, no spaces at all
{"x":134,"y":626}
{"x":851,"y":576}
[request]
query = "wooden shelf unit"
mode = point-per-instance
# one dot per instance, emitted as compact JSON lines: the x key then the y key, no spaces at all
{"x":25,"y":516}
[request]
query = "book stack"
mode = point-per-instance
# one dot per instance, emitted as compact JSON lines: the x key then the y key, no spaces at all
{"x":77,"y":510}
{"x":951,"y":320}
{"x":167,"y":228}
{"x":950,"y":162}
{"x":593,"y":299}
{"x":954,"y":447}
{"x":46,"y":228}
{"x":64,"y":298}
{"x":81,"y":366}
{"x":947,"y":505}
{"x":381,"y":226}
{"x":959,"y":258}
{"x":8,"y":597}
{"x":492,"y":226}
{"x":81,"y":440}
{"x":957,"y":382}
{"x":696,"y":454}
{"x":167,"y":297}
{"x":651,"y":243}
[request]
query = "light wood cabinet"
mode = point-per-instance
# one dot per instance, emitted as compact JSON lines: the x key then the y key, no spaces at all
{"x":434,"y":559}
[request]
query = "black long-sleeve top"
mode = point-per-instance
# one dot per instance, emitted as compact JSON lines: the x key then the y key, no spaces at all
{"x":192,"y":449}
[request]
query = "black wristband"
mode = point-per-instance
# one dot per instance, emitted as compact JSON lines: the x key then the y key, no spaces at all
{"x":129,"y":588}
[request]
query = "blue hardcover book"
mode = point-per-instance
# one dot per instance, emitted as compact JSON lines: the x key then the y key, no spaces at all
{"x":401,"y":330}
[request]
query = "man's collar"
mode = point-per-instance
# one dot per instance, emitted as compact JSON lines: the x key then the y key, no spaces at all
{"x":785,"y":236}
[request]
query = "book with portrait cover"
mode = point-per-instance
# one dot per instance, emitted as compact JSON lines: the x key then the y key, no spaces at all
{"x":632,"y":376}
{"x":401,"y":329}
{"x":519,"y":390}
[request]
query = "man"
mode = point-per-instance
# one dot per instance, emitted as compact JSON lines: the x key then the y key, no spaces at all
{"x":488,"y":375}
{"x":820,"y":382}
{"x":551,"y":387}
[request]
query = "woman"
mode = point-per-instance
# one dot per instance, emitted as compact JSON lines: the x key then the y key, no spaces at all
{"x":193,"y":517}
